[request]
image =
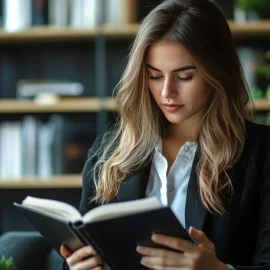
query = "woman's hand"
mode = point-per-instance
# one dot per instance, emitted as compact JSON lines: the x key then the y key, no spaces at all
{"x":194,"y":257}
{"x":84,"y":258}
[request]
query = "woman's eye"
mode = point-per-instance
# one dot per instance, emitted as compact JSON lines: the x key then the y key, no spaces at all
{"x":155,"y":77}
{"x":186,"y":79}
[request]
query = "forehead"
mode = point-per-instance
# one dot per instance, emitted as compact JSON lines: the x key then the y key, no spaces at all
{"x":169,"y":53}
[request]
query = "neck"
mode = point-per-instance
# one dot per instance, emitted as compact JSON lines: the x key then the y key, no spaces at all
{"x":182,"y":132}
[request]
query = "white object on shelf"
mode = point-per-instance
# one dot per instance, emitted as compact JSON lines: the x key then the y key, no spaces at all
{"x":16,"y":15}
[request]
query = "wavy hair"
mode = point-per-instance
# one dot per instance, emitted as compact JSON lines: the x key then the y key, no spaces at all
{"x":202,"y":29}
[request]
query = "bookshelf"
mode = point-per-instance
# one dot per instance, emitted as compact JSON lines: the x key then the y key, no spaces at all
{"x":81,"y":105}
{"x":58,"y":181}
{"x":58,"y":34}
{"x":68,"y":35}
{"x":250,"y":29}
{"x":261,"y":105}
{"x":54,"y":34}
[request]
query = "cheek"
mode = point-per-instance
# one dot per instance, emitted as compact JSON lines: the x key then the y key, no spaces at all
{"x":154,"y":89}
{"x":198,"y":93}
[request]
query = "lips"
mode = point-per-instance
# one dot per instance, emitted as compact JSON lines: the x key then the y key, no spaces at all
{"x":172,"y":107}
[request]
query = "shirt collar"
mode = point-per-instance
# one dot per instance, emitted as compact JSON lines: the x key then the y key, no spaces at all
{"x":158,"y":146}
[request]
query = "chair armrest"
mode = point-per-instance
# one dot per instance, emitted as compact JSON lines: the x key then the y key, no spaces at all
{"x":28,"y":249}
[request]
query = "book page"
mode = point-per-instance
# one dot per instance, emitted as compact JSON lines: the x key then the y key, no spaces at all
{"x":121,"y":209}
{"x":53,"y":208}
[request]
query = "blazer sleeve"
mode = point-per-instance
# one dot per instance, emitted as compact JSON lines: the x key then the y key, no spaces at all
{"x":262,"y":255}
{"x":88,"y":187}
{"x":263,"y":238}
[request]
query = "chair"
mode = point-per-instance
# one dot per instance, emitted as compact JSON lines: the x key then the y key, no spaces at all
{"x":30,"y":250}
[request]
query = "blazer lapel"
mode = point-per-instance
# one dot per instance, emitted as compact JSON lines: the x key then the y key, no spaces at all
{"x":134,"y":186}
{"x":195,"y":212}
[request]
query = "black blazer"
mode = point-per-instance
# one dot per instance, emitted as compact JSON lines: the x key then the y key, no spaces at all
{"x":241,"y":238}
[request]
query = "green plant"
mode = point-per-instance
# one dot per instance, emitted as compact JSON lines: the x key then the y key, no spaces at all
{"x":267,"y":119}
{"x":265,"y":69}
{"x":6,"y":263}
{"x":253,"y":5}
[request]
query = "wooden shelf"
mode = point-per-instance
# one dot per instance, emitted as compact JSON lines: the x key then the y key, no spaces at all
{"x":250,"y":29}
{"x":55,"y":34}
{"x":61,"y":181}
{"x":261,"y":105}
{"x":66,"y":105}
{"x":80,"y":105}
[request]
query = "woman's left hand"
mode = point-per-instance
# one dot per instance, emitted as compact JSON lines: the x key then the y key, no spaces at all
{"x":193,"y":257}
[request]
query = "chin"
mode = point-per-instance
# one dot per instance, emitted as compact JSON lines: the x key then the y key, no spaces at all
{"x":179,"y":118}
{"x":173,"y":120}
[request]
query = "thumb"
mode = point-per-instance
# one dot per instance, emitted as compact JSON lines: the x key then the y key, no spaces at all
{"x":65,"y":252}
{"x":201,"y":238}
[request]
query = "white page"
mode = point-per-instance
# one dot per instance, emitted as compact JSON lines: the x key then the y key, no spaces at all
{"x":56,"y":209}
{"x":122,"y":209}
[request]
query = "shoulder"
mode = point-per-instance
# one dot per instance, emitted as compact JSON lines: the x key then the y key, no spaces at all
{"x":258,"y":134}
{"x":258,"y":141}
{"x":101,"y":142}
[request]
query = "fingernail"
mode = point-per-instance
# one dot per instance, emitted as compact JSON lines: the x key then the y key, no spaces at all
{"x":138,"y":248}
{"x":154,"y":237}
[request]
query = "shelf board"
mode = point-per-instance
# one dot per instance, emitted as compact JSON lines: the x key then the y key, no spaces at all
{"x":80,"y":105}
{"x":66,"y":105}
{"x":55,"y":34}
{"x":250,"y":28}
{"x":261,"y":105}
{"x":61,"y":181}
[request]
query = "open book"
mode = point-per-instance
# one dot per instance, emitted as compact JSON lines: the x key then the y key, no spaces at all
{"x":114,"y":230}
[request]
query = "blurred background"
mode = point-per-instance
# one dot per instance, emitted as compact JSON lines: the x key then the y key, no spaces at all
{"x":60,"y":61}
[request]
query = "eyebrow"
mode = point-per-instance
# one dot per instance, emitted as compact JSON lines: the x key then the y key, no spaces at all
{"x":175,"y":70}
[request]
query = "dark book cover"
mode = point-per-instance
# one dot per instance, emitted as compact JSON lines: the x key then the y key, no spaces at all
{"x":114,"y":239}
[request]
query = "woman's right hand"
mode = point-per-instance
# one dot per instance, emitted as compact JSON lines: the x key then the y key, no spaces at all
{"x":84,"y":258}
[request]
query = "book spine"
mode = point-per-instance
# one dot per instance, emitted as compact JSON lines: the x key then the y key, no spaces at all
{"x":85,"y":237}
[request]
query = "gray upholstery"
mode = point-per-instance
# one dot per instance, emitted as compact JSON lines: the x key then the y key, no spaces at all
{"x":29,"y":250}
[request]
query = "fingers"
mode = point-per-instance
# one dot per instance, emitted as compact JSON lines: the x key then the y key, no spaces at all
{"x":201,"y":238}
{"x":173,"y":242}
{"x":65,"y":252}
{"x":91,"y":263}
{"x":189,"y":257}
{"x":83,"y":259}
{"x":155,"y":256}
{"x":81,"y":254}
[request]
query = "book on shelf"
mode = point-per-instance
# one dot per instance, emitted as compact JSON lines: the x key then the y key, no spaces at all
{"x":113,"y":230}
{"x":39,"y":12}
{"x":45,"y":145}
{"x":16,"y":14}
{"x":87,"y":13}
{"x":33,"y":88}
{"x":120,"y":12}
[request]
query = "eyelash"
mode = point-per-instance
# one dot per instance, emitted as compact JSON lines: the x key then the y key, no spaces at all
{"x":155,"y":78}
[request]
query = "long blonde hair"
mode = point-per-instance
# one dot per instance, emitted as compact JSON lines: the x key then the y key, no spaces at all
{"x":201,"y":28}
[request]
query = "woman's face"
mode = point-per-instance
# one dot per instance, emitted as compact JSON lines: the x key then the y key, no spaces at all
{"x":176,"y":85}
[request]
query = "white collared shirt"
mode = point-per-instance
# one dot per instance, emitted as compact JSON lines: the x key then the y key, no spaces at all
{"x":172,"y":189}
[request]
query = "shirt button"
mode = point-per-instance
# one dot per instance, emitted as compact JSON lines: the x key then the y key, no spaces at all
{"x":186,"y":148}
{"x":171,"y":189}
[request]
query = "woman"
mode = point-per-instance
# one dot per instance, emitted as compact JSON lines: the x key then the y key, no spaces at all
{"x":185,"y":136}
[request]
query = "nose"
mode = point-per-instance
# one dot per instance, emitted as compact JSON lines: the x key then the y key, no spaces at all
{"x":169,"y":90}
